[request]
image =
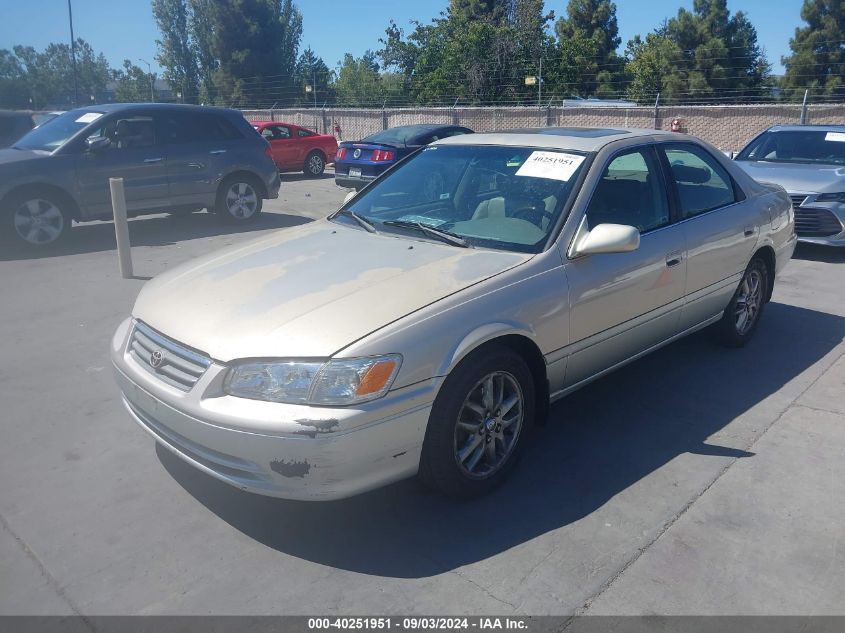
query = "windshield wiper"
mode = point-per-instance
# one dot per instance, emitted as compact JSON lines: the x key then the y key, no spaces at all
{"x":364,"y":223}
{"x":442,"y":234}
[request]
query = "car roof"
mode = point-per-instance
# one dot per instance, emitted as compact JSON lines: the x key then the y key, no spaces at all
{"x":807,"y":127}
{"x":274,"y":123}
{"x":117,"y":107}
{"x":585,"y":139}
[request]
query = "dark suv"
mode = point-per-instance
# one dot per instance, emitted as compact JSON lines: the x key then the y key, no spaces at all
{"x":172,"y":158}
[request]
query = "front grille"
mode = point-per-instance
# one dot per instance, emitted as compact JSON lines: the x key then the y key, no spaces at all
{"x":810,"y":222}
{"x":797,"y":199}
{"x":177,"y":365}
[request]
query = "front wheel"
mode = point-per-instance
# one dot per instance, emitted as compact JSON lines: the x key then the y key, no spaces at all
{"x":478,"y":423}
{"x":740,"y":319}
{"x":36,"y":220}
{"x":238,"y":200}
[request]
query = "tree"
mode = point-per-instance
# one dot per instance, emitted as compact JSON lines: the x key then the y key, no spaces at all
{"x":176,"y":52}
{"x":701,"y":55}
{"x":312,"y":71}
{"x":653,"y":61}
{"x":478,"y":52}
{"x":358,"y":82}
{"x":201,"y":30}
{"x":817,"y":62}
{"x":255,"y":43}
{"x":49,"y":74}
{"x":132,"y":84}
{"x":14,"y":92}
{"x":588,"y":37}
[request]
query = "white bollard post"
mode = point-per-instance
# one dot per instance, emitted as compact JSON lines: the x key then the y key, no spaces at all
{"x":121,"y":227}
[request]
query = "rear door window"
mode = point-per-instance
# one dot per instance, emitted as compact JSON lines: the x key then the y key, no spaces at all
{"x":196,"y":127}
{"x":701,"y":182}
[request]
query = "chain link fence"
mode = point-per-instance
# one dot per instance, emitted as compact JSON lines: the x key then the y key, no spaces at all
{"x":728,"y":127}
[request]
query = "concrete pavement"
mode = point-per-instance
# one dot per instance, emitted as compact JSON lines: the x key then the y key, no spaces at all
{"x":697,"y":480}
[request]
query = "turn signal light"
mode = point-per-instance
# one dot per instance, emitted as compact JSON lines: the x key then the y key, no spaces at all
{"x":341,"y":153}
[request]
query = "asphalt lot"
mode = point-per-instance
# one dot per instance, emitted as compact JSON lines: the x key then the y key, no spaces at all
{"x":697,"y":480}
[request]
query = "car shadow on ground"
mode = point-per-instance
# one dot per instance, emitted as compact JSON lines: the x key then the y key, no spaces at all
{"x":296,"y":176}
{"x":598,"y":442}
{"x":819,"y":253}
{"x":158,"y":230}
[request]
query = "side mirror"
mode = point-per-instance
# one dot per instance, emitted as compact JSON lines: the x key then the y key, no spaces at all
{"x":609,"y":238}
{"x":96,"y":144}
{"x":349,"y":196}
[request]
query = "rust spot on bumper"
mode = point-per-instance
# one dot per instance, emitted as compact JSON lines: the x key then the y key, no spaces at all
{"x":291,"y":468}
{"x":312,"y":427}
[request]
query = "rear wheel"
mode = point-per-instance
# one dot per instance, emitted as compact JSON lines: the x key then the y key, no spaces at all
{"x":238,"y":199}
{"x":36,"y":220}
{"x":741,"y":317}
{"x":478,"y":423}
{"x":315,"y":164}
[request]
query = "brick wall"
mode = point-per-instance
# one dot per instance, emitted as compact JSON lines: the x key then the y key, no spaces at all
{"x":728,"y":127}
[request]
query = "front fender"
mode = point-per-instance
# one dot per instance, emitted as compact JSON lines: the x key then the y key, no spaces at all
{"x":481,"y":335}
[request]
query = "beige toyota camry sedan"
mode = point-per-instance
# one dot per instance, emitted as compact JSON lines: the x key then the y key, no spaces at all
{"x":424,"y":327}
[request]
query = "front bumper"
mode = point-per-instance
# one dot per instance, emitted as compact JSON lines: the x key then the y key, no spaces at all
{"x":280,"y":450}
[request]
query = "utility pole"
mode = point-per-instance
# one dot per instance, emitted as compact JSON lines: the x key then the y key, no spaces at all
{"x":540,"y":84}
{"x":150,"y":73}
{"x":73,"y":55}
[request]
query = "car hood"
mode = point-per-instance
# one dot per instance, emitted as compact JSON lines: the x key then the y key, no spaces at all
{"x":12,"y":155}
{"x":798,"y":178}
{"x":308,"y":291}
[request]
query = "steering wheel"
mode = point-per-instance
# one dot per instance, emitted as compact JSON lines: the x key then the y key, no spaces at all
{"x":534,"y":213}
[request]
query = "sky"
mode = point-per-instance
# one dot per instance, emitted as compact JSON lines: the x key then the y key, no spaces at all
{"x":125,"y":29}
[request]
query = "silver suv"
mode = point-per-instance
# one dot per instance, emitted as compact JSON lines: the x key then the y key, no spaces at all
{"x":173,"y":158}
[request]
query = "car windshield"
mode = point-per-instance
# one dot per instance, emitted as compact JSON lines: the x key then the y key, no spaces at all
{"x":397,"y":135}
{"x":798,"y":146}
{"x":55,"y":132}
{"x":499,"y":197}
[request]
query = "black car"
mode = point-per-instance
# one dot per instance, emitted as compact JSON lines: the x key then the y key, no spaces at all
{"x":172,"y":158}
{"x":358,"y":163}
{"x":13,"y":125}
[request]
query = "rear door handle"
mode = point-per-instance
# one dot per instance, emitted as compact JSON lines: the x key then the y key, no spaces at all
{"x":217,"y":151}
{"x":673,"y":259}
{"x":749,"y":231}
{"x":153,"y":160}
{"x":195,"y":165}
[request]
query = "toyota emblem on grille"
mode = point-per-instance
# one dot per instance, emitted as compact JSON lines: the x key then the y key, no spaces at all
{"x":156,"y":358}
{"x":356,"y":153}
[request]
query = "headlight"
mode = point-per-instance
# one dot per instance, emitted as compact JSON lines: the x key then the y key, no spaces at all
{"x":342,"y":381}
{"x":831,"y":197}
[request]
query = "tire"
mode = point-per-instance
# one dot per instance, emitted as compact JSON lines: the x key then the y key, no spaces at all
{"x":315,"y":165}
{"x":741,"y":317}
{"x":239,"y":199}
{"x":463,"y":425}
{"x":35,"y":220}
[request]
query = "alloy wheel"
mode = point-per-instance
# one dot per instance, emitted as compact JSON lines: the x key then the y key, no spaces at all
{"x":748,"y":302}
{"x":39,"y":221}
{"x":241,"y":201}
{"x":488,"y":425}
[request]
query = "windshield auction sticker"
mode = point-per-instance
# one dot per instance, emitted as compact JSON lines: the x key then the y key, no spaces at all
{"x":835,"y":136}
{"x":553,"y":165}
{"x":88,"y":117}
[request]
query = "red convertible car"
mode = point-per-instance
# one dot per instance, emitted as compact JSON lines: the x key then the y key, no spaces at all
{"x":296,"y":148}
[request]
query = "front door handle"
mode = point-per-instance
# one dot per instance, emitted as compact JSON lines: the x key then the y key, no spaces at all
{"x":217,"y":151}
{"x":195,"y":165}
{"x":153,"y":160}
{"x":673,"y":259}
